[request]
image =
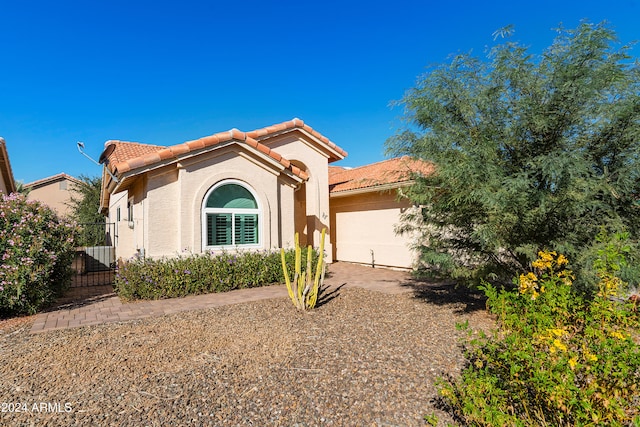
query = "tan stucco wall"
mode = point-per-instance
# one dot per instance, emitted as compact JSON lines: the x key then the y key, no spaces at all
{"x":275,"y":196}
{"x":294,"y":147}
{"x":123,"y":239}
{"x":52,"y":195}
{"x":366,"y":222}
{"x":168,"y":203}
{"x":161,"y":219}
{"x":129,"y":234}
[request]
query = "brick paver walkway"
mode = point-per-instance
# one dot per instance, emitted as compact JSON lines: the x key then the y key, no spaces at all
{"x":98,"y":304}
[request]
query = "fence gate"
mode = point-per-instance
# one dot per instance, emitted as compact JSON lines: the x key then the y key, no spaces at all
{"x":95,"y":260}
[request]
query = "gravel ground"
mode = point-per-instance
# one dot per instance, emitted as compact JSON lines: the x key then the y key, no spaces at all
{"x":363,"y":358}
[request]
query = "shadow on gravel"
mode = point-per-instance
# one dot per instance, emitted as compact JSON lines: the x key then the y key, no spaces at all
{"x":324,"y":297}
{"x":446,"y":293}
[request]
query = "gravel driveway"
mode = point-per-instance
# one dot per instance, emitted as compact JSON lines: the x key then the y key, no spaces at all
{"x":363,"y":358}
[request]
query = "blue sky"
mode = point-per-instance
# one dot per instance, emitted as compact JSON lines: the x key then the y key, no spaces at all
{"x":162,"y":72}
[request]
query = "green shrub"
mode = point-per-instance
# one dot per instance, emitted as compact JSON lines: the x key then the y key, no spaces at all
{"x":200,"y":274}
{"x":559,"y":357}
{"x":627,"y":268}
{"x":37,"y":250}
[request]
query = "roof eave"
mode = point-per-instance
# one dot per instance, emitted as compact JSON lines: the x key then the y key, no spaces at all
{"x":334,"y":154}
{"x":5,"y":167}
{"x":372,"y":189}
{"x":51,"y":179}
{"x":105,"y":194}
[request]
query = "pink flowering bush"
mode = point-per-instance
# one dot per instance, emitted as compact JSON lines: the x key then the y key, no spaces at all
{"x":37,"y":249}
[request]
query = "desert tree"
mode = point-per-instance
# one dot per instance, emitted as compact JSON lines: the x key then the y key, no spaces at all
{"x":532,"y":152}
{"x":85,"y":204}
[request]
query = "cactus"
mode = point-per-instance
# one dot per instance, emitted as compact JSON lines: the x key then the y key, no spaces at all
{"x":305,"y":286}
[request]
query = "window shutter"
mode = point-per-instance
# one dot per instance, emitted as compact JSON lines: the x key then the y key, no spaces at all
{"x":218,"y":229}
{"x":246,"y":229}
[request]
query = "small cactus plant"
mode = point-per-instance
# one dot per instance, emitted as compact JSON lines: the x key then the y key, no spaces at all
{"x":305,"y":286}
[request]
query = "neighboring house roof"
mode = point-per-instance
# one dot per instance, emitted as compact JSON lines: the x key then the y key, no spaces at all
{"x":5,"y":167}
{"x":376,"y":176}
{"x":59,"y":177}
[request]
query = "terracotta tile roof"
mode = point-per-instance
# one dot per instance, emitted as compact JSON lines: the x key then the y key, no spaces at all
{"x":129,"y":156}
{"x":269,"y":131}
{"x":53,"y":178}
{"x":387,"y":172}
{"x":336,"y":169}
{"x":132,"y":156}
{"x":130,"y":150}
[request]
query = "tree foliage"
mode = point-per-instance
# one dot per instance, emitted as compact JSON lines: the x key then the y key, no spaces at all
{"x":85,"y":204}
{"x":21,"y":189}
{"x":532,"y":152}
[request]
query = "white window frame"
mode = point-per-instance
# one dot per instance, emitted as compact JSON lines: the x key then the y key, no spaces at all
{"x":130,"y":219}
{"x":206,"y":211}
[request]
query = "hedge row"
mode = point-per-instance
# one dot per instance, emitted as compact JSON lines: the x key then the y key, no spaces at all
{"x":200,"y":274}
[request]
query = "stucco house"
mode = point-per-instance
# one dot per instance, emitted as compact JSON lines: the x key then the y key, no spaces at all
{"x":252,"y":190}
{"x":54,"y":191}
{"x":7,"y":183}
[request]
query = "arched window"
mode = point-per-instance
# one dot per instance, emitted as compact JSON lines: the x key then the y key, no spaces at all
{"x":231,"y":216}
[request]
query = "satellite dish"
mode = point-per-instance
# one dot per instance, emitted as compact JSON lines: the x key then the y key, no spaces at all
{"x":104,"y":157}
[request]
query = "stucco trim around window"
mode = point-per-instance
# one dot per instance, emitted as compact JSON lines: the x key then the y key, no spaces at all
{"x":231,"y":217}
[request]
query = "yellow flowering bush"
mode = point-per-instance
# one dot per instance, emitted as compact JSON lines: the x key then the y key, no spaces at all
{"x":559,"y":357}
{"x":549,"y":263}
